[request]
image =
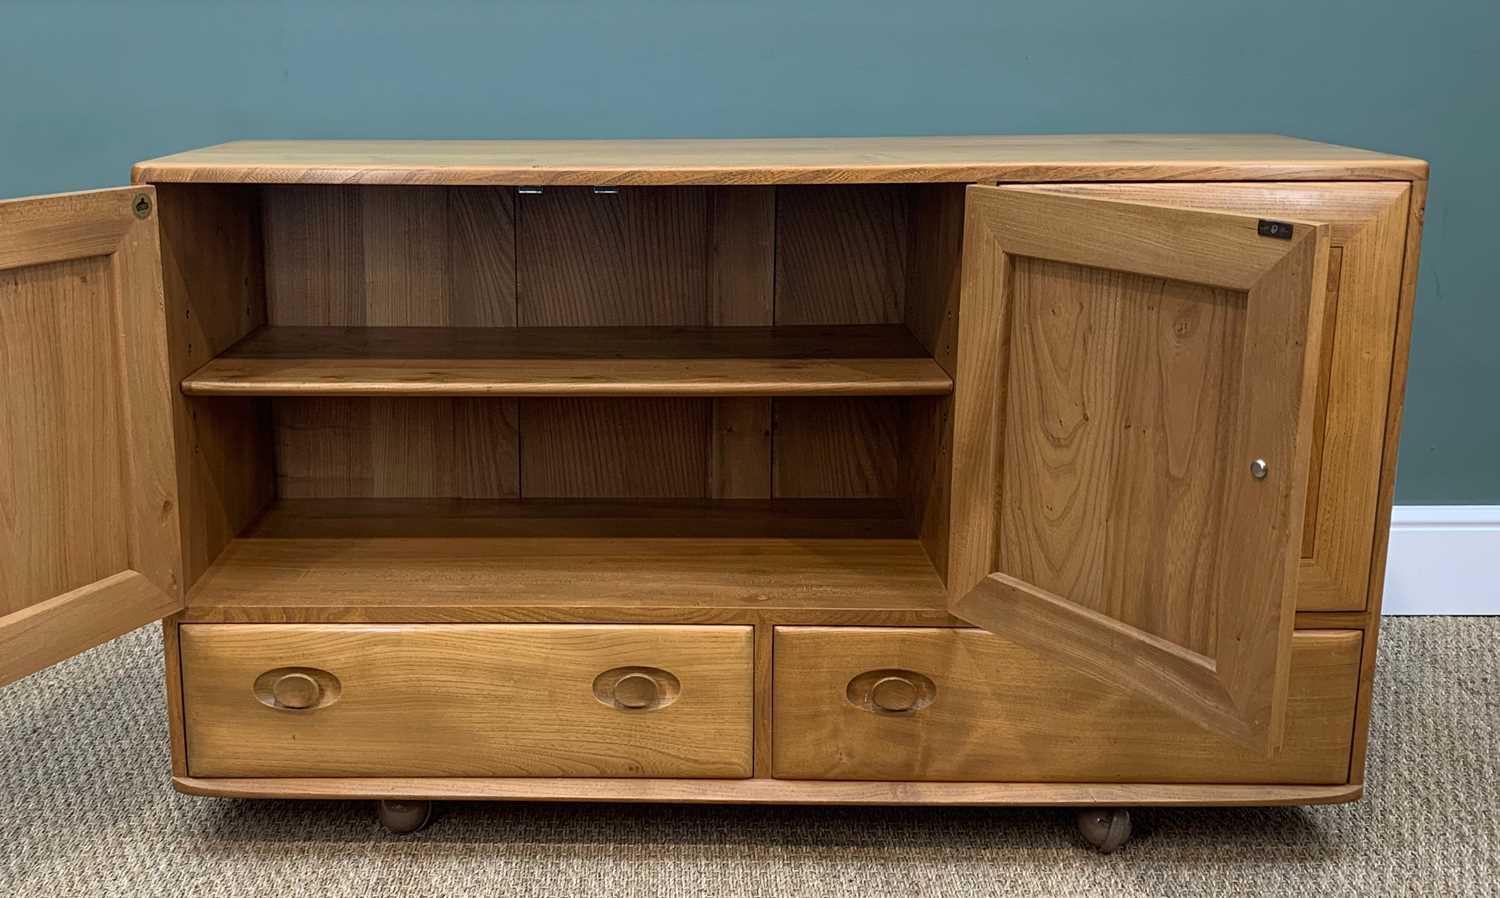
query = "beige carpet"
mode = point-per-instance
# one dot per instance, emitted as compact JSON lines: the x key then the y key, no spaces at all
{"x":86,"y":809}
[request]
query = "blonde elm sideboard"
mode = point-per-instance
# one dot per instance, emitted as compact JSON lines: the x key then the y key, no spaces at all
{"x":976,"y":470}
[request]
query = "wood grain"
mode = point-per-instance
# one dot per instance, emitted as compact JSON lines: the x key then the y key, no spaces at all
{"x":65,"y":499}
{"x":325,"y":560}
{"x":1077,"y":157}
{"x":1332,"y":620}
{"x":1133,"y":383}
{"x":1331,"y":303}
{"x":1039,"y":721}
{"x":934,"y":269}
{"x":793,"y":519}
{"x":637,"y":257}
{"x":396,"y":447}
{"x":442,"y":700}
{"x":350,"y":257}
{"x":1400,"y":358}
{"x":215,"y":294}
{"x":1367,"y":228}
{"x":67,"y":624}
{"x":841,"y":255}
{"x":742,"y":275}
{"x":172,"y":677}
{"x":740,"y":449}
{"x":404,"y":235}
{"x":615,"y":448}
{"x":770,"y":791}
{"x":934,"y":278}
{"x":926,"y":454}
{"x":89,"y":538}
{"x":354,"y":256}
{"x":569,"y":361}
{"x":840,"y":259}
{"x":314,"y":248}
{"x":742,"y":254}
{"x":765,"y":641}
{"x":979,"y":403}
{"x":739,"y":272}
{"x":1113,"y":443}
{"x":481,"y":258}
{"x":836,"y":448}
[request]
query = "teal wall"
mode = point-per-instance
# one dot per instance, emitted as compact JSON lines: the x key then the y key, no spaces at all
{"x":88,"y":88}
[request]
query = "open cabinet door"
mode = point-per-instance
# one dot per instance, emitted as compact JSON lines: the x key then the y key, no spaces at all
{"x":1132,"y":405}
{"x":89,"y":545}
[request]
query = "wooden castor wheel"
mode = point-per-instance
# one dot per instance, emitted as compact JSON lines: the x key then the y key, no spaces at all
{"x":1105,"y":828}
{"x":403,"y":816}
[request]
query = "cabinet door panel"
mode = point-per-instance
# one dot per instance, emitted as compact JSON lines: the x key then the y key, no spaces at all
{"x":89,"y":546}
{"x":1133,"y":406}
{"x":1367,"y":222}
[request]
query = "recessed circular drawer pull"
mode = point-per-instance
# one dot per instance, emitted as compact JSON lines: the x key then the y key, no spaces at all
{"x":891,"y":691}
{"x":297,"y":688}
{"x":894,"y":694}
{"x":635,"y":691}
{"x":637,"y":688}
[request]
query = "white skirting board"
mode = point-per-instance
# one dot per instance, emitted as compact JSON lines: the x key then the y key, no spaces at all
{"x":1444,"y":559}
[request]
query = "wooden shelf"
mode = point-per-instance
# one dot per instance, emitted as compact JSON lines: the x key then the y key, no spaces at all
{"x":720,"y":561}
{"x":864,"y":360}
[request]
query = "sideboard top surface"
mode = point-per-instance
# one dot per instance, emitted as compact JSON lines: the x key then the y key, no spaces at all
{"x":1087,"y":157}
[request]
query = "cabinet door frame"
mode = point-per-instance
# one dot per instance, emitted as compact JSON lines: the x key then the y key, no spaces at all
{"x":1367,"y":221}
{"x":1240,"y":691}
{"x":118,"y":225}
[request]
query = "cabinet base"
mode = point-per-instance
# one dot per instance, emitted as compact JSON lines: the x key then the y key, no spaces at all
{"x":766,"y":791}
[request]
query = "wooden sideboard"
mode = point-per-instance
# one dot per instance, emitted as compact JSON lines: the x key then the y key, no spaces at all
{"x":979,"y":470}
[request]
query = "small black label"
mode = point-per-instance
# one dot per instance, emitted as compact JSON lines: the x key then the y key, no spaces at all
{"x":1278,"y":229}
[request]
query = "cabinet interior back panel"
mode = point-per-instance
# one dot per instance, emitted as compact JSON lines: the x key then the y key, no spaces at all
{"x":615,"y":448}
{"x":381,"y":447}
{"x":637,"y":257}
{"x":841,"y":254}
{"x":841,"y":258}
{"x":837,"y":448}
{"x":487,"y":257}
{"x":371,"y":256}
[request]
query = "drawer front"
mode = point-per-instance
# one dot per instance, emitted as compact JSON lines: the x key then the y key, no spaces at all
{"x":947,"y":704}
{"x":467,"y":700}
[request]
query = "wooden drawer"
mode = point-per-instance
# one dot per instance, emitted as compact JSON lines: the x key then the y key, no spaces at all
{"x":467,"y":700}
{"x":996,"y":711}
